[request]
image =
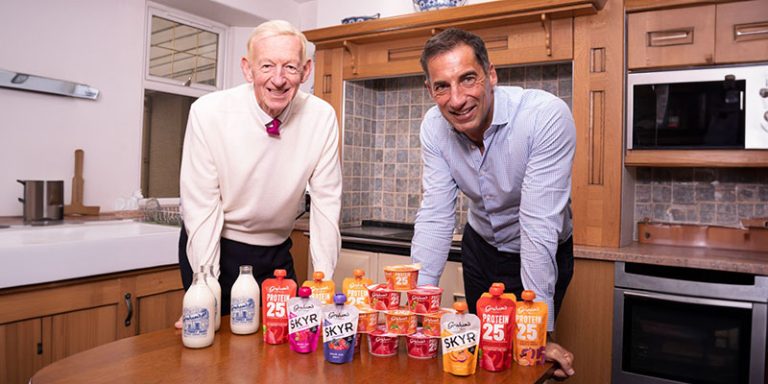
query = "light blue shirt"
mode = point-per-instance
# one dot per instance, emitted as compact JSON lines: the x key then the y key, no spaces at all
{"x":518,"y":189}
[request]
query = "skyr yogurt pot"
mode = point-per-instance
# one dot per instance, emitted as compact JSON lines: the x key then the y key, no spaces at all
{"x":383,"y":298}
{"x":381,"y":343}
{"x":424,"y":299}
{"x":420,"y":346}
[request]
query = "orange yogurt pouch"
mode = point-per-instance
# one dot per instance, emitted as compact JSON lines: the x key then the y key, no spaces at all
{"x":275,"y":294}
{"x":496,"y":311}
{"x":460,"y":334}
{"x":356,"y":288}
{"x":322,"y":290}
{"x":531,"y":339}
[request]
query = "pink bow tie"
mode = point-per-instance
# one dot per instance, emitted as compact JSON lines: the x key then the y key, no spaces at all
{"x":273,"y":127}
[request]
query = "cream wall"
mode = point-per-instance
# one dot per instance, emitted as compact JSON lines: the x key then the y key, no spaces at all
{"x":96,"y":42}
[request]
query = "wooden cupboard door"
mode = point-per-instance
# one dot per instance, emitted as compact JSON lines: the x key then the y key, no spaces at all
{"x":159,"y":311}
{"x":742,"y":32}
{"x":22,"y":351}
{"x":76,"y":331}
{"x":672,"y":37}
{"x":585,"y":323}
{"x":536,"y":42}
{"x":156,"y":299}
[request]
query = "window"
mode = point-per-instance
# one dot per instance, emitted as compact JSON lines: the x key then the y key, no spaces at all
{"x":184,"y":60}
{"x":184,"y":52}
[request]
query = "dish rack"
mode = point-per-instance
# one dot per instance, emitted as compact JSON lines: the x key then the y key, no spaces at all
{"x":167,"y":215}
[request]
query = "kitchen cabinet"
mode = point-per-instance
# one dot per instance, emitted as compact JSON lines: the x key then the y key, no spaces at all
{"x":47,"y":322}
{"x":584,"y":325}
{"x":741,"y":32}
{"x":22,"y":351}
{"x":702,"y":35}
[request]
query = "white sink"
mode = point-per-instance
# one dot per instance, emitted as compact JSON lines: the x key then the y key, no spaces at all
{"x":32,"y":255}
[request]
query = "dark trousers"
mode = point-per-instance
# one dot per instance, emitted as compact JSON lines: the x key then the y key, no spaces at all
{"x":483,"y":265}
{"x":263,"y":259}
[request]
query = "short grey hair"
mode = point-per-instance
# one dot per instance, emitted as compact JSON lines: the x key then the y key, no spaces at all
{"x":278,"y":28}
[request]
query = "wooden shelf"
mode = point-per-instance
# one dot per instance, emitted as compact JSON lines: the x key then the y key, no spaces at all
{"x":647,"y":5}
{"x":486,"y":14}
{"x":753,"y":158}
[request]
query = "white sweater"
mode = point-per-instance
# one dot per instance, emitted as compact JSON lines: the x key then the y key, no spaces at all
{"x":239,"y":183}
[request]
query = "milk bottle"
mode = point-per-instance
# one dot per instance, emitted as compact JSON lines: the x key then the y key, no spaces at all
{"x":213,"y":283}
{"x":198,"y":317}
{"x":244,"y":309}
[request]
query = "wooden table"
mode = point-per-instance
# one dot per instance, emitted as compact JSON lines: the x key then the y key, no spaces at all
{"x":159,"y":357}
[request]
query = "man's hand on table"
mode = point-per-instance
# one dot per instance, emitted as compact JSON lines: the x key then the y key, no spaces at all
{"x":562,"y":357}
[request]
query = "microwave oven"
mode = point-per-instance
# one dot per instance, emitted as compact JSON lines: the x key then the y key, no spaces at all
{"x":708,"y":108}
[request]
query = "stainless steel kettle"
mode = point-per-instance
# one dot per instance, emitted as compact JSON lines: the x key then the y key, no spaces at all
{"x":43,"y":200}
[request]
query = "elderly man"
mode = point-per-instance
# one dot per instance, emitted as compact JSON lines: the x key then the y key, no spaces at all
{"x":249,"y":154}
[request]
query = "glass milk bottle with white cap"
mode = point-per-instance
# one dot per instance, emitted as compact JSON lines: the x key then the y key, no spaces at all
{"x":198,"y":314}
{"x":244,"y":308}
{"x":213,"y":283}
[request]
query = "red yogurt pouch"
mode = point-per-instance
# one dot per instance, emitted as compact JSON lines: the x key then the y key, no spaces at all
{"x":496,"y":311}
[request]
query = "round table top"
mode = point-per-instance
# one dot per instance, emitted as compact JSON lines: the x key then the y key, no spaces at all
{"x":160,"y":357}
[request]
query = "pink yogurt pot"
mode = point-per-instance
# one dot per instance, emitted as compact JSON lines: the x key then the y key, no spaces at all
{"x":424,"y":299}
{"x":421,"y":346}
{"x":382,"y":344}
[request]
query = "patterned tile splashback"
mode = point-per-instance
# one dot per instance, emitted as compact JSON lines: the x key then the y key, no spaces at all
{"x":381,"y":156}
{"x":720,"y":196}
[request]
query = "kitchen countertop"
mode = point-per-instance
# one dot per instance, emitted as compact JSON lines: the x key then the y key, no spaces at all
{"x":160,"y":356}
{"x":690,"y":257}
{"x":678,"y":256}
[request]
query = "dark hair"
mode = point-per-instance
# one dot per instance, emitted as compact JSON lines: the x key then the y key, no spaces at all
{"x":449,"y":39}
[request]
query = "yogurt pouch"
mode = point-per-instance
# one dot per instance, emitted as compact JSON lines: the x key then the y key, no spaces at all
{"x":339,"y":330}
{"x":322,"y":290}
{"x":356,"y":288}
{"x":460,"y":335}
{"x":275,"y":294}
{"x":531,"y":339}
{"x":304,"y":319}
{"x":496,"y":311}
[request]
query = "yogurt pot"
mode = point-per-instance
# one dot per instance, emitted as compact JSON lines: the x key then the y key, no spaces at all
{"x":367,"y":320}
{"x":381,"y":343}
{"x":400,"y":322}
{"x":424,"y":299}
{"x":430,"y":323}
{"x":383,"y":298}
{"x":402,"y":277}
{"x":421,"y":346}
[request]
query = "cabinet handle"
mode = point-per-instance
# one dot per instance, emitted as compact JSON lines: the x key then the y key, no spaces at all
{"x":129,"y":304}
{"x":39,"y":348}
{"x":751,"y":31}
{"x":670,"y":37}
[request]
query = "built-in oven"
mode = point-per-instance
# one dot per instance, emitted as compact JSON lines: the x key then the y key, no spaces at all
{"x":706,"y":108}
{"x":685,"y":325}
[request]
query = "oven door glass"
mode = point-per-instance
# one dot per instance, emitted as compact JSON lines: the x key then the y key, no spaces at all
{"x":690,"y":343}
{"x":706,"y":114}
